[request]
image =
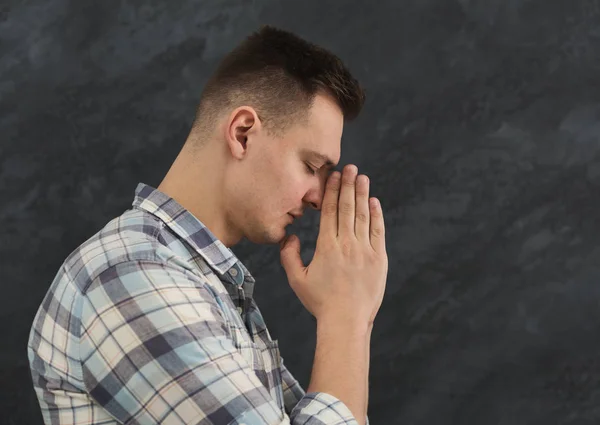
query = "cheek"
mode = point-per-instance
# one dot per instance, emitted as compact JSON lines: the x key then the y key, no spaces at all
{"x":295,"y":192}
{"x":287,"y":185}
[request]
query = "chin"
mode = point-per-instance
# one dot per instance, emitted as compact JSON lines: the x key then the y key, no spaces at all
{"x":269,"y":236}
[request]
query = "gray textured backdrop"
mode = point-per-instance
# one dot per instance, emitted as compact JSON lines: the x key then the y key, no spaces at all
{"x":481,"y":135}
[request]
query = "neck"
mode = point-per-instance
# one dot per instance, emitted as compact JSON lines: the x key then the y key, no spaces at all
{"x":195,"y":181}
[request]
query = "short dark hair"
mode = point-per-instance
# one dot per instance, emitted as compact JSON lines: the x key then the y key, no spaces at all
{"x":279,"y":74}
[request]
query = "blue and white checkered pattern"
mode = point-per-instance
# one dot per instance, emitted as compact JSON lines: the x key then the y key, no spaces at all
{"x":152,"y":320}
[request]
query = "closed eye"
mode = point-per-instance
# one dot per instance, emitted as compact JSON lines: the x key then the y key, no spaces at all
{"x":313,"y":172}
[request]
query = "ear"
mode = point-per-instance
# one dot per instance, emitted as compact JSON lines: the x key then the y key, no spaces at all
{"x":242,"y":125}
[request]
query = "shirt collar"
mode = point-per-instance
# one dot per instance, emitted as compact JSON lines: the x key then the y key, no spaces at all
{"x":194,"y":232}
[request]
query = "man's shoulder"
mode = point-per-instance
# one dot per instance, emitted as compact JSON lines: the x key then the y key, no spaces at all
{"x":131,"y":237}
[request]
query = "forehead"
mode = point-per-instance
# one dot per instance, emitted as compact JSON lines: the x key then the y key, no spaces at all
{"x":320,"y":138}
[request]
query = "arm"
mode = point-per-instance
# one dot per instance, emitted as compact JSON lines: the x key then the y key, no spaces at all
{"x":341,"y":363}
{"x":155,"y":348}
{"x":368,"y":365}
{"x":293,"y":391}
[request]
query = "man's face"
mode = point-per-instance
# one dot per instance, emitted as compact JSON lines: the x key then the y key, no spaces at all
{"x":285,"y":176}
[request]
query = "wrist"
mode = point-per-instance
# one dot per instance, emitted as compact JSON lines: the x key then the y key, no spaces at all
{"x":345,"y":325}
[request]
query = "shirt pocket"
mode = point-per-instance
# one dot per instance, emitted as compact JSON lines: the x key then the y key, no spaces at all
{"x":265,"y":359}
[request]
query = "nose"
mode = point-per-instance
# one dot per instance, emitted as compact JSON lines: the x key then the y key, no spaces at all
{"x":315,"y":206}
{"x":314,"y":196}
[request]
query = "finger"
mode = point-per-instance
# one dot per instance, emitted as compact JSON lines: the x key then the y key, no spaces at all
{"x":346,"y":207}
{"x":329,"y":207}
{"x":377,"y":226}
{"x":361,"y":226}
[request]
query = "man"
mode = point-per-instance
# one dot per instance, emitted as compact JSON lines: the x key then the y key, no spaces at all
{"x":152,"y":319}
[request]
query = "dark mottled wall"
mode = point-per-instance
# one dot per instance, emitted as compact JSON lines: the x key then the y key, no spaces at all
{"x":481,"y":135}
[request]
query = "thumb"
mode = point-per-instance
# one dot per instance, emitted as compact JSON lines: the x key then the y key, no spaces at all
{"x":290,"y":256}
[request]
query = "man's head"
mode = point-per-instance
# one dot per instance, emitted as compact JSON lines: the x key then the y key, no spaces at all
{"x":268,"y":121}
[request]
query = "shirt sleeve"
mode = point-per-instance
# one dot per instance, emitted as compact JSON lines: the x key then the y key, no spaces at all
{"x":292,"y":390}
{"x":155,"y":348}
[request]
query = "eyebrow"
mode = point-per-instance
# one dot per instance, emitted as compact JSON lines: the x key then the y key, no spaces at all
{"x":319,"y":156}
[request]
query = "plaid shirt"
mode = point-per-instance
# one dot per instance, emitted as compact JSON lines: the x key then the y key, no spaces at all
{"x":152,"y":320}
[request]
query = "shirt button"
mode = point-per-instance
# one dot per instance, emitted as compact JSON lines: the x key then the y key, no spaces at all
{"x":233,"y":272}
